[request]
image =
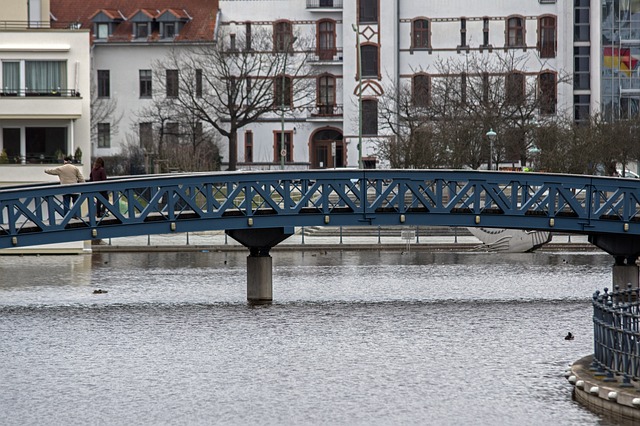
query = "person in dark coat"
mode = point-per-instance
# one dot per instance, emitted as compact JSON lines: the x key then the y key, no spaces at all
{"x":97,"y":174}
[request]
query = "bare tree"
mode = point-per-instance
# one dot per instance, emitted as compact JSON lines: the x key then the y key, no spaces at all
{"x":160,"y":112}
{"x":103,"y":110}
{"x":229,"y":88}
{"x":177,"y":139}
{"x":459,"y":100}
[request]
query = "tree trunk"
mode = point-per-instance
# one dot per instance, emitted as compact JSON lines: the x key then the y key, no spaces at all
{"x":233,"y":150}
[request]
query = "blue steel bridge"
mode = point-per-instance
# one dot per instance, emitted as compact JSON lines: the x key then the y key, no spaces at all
{"x":251,"y":204}
{"x":261,"y":209}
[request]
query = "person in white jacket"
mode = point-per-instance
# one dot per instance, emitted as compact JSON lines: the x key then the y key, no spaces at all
{"x":68,"y":174}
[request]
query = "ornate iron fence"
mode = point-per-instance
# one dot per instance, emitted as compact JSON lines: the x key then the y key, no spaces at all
{"x":616,"y":333}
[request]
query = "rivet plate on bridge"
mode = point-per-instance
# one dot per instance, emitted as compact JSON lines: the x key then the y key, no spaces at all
{"x":14,"y":241}
{"x":626,"y":227}
{"x":552,"y":222}
{"x":250,"y":221}
{"x":402,"y":218}
{"x":173,"y":226}
{"x":327,"y":219}
{"x":94,"y":233}
{"x":477,"y":220}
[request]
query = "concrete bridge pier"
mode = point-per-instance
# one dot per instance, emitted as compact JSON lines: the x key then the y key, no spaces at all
{"x":259,"y":261}
{"x":625,"y":249}
{"x":625,"y":271}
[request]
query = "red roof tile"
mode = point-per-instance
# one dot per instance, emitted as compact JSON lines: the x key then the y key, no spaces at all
{"x":199,"y":28}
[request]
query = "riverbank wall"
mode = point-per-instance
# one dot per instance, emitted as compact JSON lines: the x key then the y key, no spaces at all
{"x":608,"y":396}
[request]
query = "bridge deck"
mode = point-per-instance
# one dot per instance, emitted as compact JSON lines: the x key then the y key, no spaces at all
{"x":231,"y":201}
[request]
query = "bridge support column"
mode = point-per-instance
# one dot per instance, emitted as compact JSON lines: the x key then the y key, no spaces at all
{"x":259,"y":262}
{"x":625,"y":249}
{"x":259,"y":278}
{"x":625,"y":271}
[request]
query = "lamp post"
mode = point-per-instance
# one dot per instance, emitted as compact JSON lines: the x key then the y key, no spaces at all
{"x":283,"y":151}
{"x":491,"y":135}
{"x":359,"y":60}
{"x":533,"y":153}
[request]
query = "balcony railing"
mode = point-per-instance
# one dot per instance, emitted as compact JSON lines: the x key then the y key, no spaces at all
{"x":64,"y":93}
{"x":39,"y":25}
{"x":326,"y":56}
{"x":326,"y":111}
{"x":324,"y":4}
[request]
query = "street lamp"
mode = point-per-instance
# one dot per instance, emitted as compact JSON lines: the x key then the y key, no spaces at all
{"x":359,"y":60}
{"x":533,"y":152}
{"x":491,"y":135}
{"x":283,"y":151}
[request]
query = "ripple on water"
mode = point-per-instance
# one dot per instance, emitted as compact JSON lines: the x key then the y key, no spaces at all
{"x":351,"y":339}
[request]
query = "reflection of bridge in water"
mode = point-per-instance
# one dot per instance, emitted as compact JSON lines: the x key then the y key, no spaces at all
{"x":262,"y":209}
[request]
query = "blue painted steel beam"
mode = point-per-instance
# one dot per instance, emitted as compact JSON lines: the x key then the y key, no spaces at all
{"x":160,"y":204}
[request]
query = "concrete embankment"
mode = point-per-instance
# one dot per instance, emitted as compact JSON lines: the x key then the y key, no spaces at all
{"x":438,"y":247}
{"x":432,"y":239}
{"x":603,"y":395}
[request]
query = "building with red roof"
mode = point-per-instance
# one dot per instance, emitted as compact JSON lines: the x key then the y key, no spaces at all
{"x":127,"y":38}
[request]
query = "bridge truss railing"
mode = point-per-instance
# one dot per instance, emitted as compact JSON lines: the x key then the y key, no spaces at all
{"x":209,"y":201}
{"x":616,"y":333}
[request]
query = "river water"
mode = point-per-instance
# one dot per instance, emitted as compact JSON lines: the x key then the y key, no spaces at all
{"x":375,"y":338}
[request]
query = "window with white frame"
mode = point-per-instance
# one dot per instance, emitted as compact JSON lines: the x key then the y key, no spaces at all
{"x":40,"y":77}
{"x":10,"y":78}
{"x":104,"y":135}
{"x":145,"y":84}
{"x":141,"y":29}
{"x":102,"y":31}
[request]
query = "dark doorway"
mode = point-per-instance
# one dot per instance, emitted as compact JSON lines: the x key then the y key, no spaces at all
{"x":327,"y":149}
{"x":11,"y":142}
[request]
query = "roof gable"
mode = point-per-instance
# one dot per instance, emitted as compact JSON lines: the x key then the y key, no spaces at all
{"x":172,"y":15}
{"x":143,"y":15}
{"x":107,"y":15}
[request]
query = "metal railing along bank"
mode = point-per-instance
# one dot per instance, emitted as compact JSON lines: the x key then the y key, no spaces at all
{"x":616,"y":333}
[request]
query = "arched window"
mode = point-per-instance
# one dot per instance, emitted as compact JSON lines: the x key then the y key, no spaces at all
{"x":547,"y":36}
{"x":369,"y":60}
{"x":547,"y":92}
{"x":515,"y":32}
{"x":326,"y":47}
{"x":420,"y":34}
{"x":283,"y":36}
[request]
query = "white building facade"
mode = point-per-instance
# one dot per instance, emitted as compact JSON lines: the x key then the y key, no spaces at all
{"x":44,"y":98}
{"x":129,"y":38}
{"x":400,"y":40}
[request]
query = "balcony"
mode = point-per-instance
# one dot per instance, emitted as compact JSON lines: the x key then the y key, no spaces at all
{"x":324,"y":5}
{"x":325,"y":113}
{"x":326,"y":57}
{"x":33,"y":104}
{"x":38,"y":25}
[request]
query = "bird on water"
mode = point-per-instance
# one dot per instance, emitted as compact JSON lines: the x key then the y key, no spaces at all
{"x":569,"y":336}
